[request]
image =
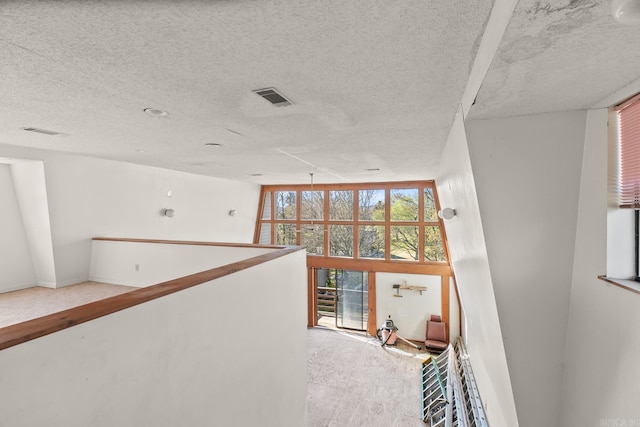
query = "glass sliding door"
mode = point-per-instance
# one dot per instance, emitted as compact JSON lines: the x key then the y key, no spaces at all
{"x":352,"y":306}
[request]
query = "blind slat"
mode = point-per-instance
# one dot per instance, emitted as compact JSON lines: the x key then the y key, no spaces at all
{"x":629,"y":136}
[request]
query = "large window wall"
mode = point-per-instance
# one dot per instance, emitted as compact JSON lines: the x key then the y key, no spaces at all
{"x":373,"y":227}
{"x":391,"y":222}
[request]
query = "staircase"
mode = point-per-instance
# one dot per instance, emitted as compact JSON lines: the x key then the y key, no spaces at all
{"x":450,"y":395}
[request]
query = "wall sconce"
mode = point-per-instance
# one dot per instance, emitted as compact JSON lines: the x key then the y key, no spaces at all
{"x":168,"y":212}
{"x":446,"y":213}
{"x":626,"y":11}
{"x":233,"y":212}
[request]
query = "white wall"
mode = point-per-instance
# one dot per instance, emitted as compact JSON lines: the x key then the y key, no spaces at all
{"x":15,"y":259}
{"x":94,"y":197}
{"x":144,"y":264}
{"x":481,"y":328}
{"x":411,"y":311}
{"x":601,"y":367}
{"x":527,"y":172}
{"x":31,"y":192}
{"x":201,"y":357}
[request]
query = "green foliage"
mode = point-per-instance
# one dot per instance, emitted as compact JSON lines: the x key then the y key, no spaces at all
{"x":404,"y":239}
{"x":433,"y":248}
{"x":285,"y":204}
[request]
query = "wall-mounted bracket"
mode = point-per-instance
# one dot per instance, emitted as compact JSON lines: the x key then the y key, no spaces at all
{"x":403,"y":285}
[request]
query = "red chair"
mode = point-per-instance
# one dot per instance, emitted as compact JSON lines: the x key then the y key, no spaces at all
{"x":436,"y":336}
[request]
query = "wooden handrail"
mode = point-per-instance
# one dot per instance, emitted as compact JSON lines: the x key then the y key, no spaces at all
{"x":189,"y":242}
{"x":31,"y":329}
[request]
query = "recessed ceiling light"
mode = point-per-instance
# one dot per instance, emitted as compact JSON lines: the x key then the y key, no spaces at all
{"x":154,"y":112}
{"x":372,"y":169}
{"x":212,"y":144}
{"x":256,"y":174}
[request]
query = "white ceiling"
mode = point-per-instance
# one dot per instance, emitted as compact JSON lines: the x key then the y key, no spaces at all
{"x":559,"y":56}
{"x":375,"y":84}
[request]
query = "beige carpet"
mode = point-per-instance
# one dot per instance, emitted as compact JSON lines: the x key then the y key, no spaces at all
{"x":353,"y":381}
{"x":26,"y":304}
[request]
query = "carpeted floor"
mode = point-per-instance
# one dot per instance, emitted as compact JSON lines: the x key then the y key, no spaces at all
{"x":26,"y":304}
{"x":353,"y":381}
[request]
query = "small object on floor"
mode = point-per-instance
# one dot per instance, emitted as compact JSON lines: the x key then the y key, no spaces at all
{"x":387,"y":333}
{"x":388,"y":336}
{"x":417,"y":347}
{"x":436,"y":336}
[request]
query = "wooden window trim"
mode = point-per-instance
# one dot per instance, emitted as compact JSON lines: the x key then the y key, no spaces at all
{"x":421,"y":223}
{"x":627,"y":285}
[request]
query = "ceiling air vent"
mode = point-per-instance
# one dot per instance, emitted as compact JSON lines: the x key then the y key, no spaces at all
{"x":44,"y":131}
{"x":273,"y":96}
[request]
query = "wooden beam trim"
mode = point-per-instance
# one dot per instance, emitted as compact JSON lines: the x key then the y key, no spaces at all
{"x":618,"y":284}
{"x":352,"y":186}
{"x":191,"y":243}
{"x":371,"y":302}
{"x":455,"y":289}
{"x":22,"y":332}
{"x":444,"y":292}
{"x":408,"y":267}
{"x":259,"y":214}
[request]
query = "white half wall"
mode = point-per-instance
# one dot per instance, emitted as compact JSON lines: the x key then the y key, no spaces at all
{"x":481,"y":328}
{"x":199,"y":357}
{"x":15,"y":259}
{"x":91,"y":197}
{"x":145,"y":264}
{"x":601,"y":364}
{"x":527,"y":174}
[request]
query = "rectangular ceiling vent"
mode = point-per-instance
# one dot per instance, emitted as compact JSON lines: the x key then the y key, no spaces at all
{"x":273,"y":96}
{"x":44,"y":131}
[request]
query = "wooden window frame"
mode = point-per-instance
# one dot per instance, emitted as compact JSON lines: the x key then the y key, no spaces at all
{"x":370,"y":265}
{"x":357,"y":262}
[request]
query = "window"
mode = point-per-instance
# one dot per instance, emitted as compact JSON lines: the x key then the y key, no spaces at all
{"x":371,"y":205}
{"x":376,"y":221}
{"x":285,"y":204}
{"x":623,"y":218}
{"x":628,"y":115}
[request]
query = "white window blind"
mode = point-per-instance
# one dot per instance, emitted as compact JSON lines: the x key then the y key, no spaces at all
{"x":629,"y":151}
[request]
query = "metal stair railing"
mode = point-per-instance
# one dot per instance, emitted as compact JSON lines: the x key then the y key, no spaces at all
{"x":450,"y":396}
{"x":436,"y":371}
{"x":473,"y":403}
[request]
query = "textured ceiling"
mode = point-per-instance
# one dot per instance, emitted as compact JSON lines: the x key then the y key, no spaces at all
{"x":375,"y":84}
{"x":558,"y":56}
